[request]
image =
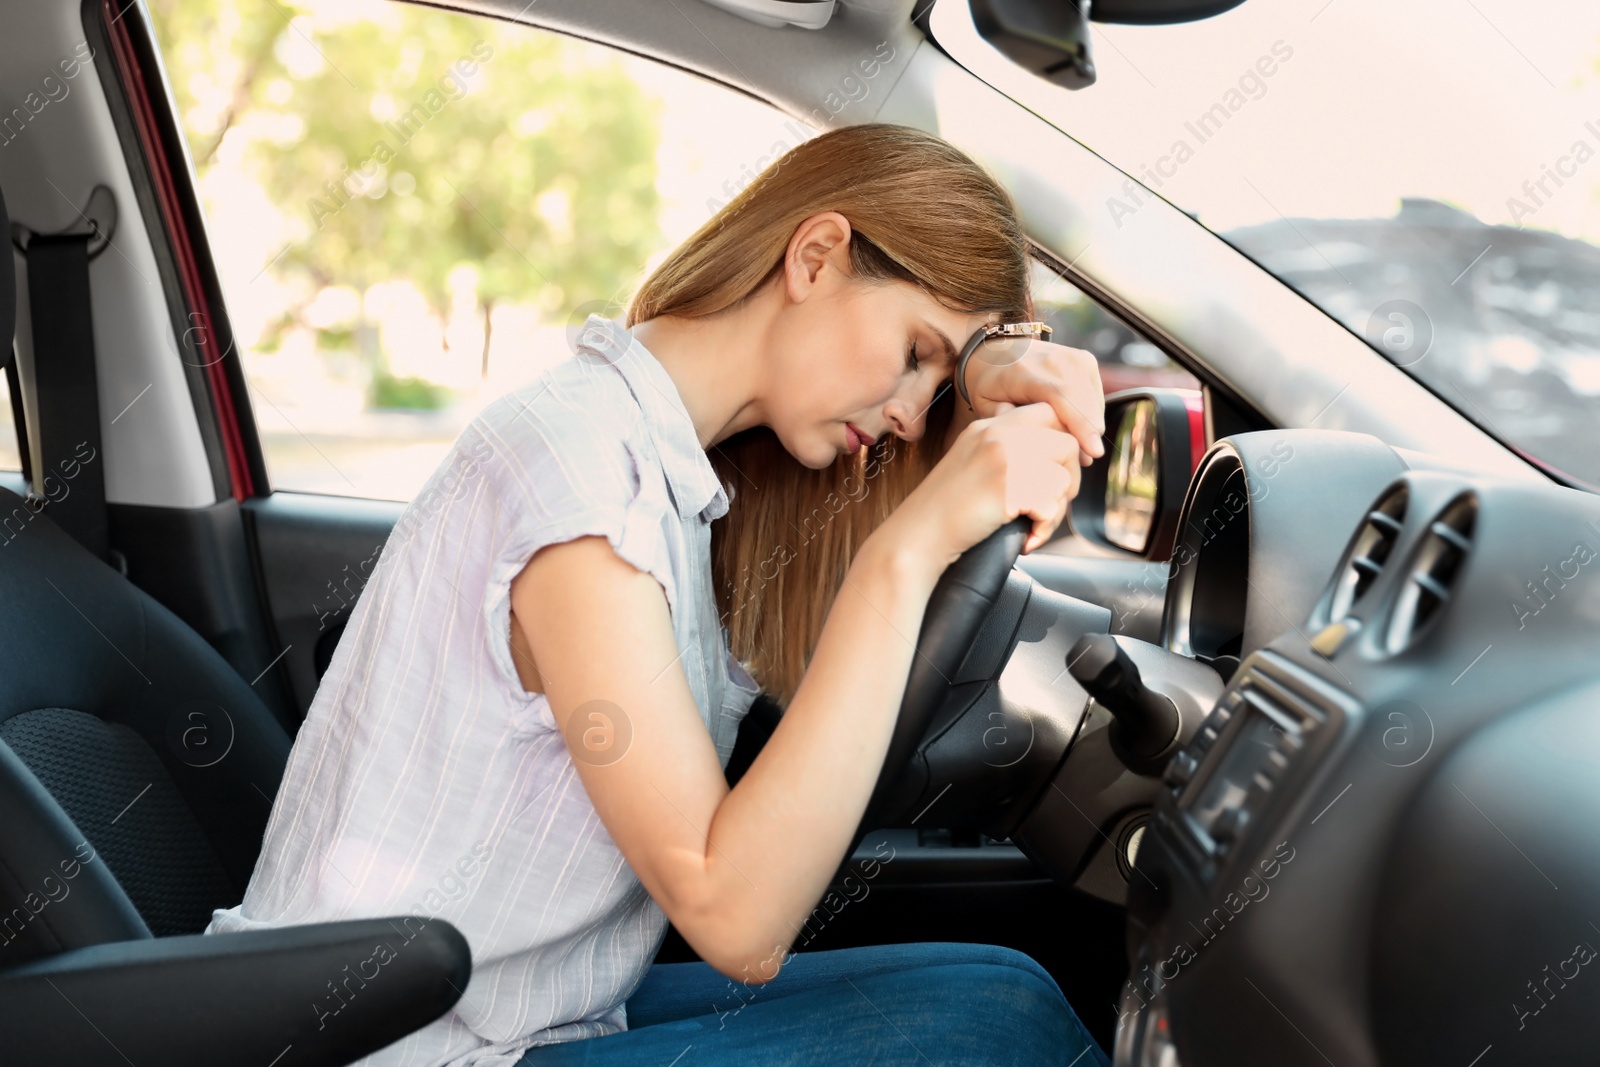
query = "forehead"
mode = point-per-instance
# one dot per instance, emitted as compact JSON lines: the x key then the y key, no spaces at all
{"x":922,"y":306}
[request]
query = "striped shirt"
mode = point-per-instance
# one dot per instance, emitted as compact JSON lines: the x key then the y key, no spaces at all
{"x":427,"y":781}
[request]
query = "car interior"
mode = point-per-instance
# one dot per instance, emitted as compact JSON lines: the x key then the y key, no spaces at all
{"x":1280,"y":753}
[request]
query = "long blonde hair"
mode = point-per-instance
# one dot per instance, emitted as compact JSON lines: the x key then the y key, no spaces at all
{"x":921,"y":211}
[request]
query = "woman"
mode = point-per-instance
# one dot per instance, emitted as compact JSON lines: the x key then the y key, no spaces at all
{"x":525,"y":727}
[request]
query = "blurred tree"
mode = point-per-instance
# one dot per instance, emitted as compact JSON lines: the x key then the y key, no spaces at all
{"x":411,"y":141}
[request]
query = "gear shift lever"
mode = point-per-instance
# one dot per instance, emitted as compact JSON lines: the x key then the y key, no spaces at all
{"x":1146,"y":728}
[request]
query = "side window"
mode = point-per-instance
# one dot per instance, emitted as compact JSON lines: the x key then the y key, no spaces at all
{"x":1127,"y":361}
{"x":411,"y":208}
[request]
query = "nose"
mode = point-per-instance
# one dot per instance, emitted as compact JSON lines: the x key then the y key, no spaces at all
{"x":905,"y":419}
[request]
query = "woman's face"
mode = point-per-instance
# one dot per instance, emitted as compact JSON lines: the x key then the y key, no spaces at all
{"x":866,"y":354}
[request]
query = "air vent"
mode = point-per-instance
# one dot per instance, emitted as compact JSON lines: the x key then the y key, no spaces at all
{"x":1432,"y":574}
{"x":1368,"y":552}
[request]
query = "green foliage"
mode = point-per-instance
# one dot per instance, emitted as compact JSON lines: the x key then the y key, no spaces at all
{"x":336,"y":338}
{"x":387,"y":391}
{"x":479,"y":172}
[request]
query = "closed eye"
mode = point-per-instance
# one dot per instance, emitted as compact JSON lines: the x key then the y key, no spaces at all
{"x":911,"y":363}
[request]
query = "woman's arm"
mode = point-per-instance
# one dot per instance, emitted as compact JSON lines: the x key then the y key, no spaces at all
{"x":1068,"y":379}
{"x":736,"y":872}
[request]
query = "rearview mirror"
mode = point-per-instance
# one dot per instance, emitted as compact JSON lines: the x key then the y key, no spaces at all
{"x":1050,"y":38}
{"x":1130,"y":497}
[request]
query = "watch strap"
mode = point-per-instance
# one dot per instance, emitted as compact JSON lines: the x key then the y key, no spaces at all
{"x":982,"y":334}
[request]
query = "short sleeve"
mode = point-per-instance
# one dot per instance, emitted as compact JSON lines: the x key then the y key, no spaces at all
{"x":567,"y":466}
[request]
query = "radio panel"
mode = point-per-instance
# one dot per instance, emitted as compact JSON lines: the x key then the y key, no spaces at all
{"x":1253,"y":738}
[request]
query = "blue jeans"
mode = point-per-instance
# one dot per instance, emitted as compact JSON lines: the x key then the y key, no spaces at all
{"x":886,"y":1005}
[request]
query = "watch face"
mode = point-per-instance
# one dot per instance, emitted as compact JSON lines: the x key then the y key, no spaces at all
{"x":1003,"y":349}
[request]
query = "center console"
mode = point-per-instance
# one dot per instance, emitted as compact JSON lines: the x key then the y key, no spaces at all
{"x":1255,"y":747}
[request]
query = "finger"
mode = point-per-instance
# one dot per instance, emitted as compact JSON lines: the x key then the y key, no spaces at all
{"x":1057,"y":503}
{"x":1038,"y":535}
{"x":1084,"y":419}
{"x":1048,"y":489}
{"x":1080,"y":391}
{"x":1035,"y":415}
{"x":1052,"y":445}
{"x":1069,"y":492}
{"x":1080,"y":405}
{"x":1004,"y":406}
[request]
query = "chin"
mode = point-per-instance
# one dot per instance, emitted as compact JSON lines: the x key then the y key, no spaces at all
{"x":821,"y":462}
{"x":816,"y":454}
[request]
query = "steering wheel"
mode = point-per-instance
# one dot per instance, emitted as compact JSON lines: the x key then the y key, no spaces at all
{"x":960,"y":602}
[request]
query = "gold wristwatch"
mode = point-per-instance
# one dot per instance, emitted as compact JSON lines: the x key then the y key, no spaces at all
{"x":982,"y":334}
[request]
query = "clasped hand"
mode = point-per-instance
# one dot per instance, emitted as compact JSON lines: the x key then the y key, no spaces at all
{"x":1006,"y":373}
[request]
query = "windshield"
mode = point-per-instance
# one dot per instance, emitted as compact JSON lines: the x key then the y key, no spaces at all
{"x":1425,"y":172}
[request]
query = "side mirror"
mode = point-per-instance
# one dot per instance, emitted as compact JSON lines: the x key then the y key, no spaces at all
{"x":1130,"y":497}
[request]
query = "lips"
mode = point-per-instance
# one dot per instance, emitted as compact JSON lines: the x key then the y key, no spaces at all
{"x":854,"y":438}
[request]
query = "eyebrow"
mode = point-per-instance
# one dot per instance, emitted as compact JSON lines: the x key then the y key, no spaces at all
{"x":950,"y":353}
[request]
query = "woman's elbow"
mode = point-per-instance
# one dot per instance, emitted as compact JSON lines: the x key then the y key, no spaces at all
{"x":744,"y":955}
{"x":751,"y":964}
{"x":731,"y":929}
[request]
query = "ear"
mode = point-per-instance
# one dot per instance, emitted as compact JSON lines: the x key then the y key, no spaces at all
{"x":821,"y":243}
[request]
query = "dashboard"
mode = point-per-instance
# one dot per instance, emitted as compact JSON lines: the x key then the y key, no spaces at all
{"x":1262,"y":510}
{"x":1379,"y":846}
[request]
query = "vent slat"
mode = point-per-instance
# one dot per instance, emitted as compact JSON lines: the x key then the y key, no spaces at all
{"x":1432,"y":585}
{"x":1433,"y":571}
{"x":1445,"y":532}
{"x":1383,"y":520}
{"x":1367,"y":554}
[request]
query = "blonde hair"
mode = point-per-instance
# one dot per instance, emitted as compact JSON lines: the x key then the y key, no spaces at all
{"x":921,"y":211}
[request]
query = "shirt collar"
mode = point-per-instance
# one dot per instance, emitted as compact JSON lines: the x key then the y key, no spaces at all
{"x":696,"y":490}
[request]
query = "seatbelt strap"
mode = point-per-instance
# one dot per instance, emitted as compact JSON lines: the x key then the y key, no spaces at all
{"x":71,"y":469}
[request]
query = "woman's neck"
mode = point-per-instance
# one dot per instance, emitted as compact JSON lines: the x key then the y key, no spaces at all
{"x":716,"y":363}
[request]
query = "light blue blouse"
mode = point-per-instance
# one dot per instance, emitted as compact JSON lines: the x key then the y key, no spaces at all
{"x":426,"y":780}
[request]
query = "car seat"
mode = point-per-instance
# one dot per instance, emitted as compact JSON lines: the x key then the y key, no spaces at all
{"x":137,"y":771}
